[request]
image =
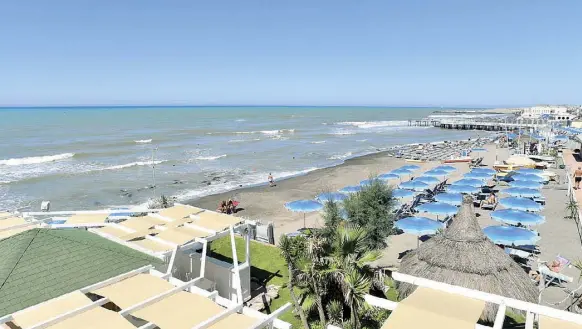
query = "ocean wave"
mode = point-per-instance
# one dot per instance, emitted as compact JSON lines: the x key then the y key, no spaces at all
{"x":240,"y":120}
{"x":267,"y":132}
{"x":210,"y":158}
{"x":340,"y":156}
{"x":143,"y":141}
{"x":373,"y":124}
{"x":318,"y":142}
{"x":342,"y":132}
{"x":36,"y":160}
{"x":244,"y":140}
{"x":134,"y":164}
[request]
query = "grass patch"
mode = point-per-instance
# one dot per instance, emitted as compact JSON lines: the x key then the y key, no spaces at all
{"x":267,"y":265}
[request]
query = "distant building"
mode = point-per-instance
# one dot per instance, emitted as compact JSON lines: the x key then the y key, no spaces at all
{"x":554,"y":113}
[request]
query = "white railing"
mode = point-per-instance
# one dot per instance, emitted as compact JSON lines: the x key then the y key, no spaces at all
{"x":533,"y":311}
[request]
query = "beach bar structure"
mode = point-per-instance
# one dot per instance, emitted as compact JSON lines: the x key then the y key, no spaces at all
{"x":143,"y":298}
{"x":179,"y":236}
{"x":490,"y":125}
{"x":439,"y":305}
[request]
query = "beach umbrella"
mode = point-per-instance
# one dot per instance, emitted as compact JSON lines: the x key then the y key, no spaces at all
{"x":478,"y":175}
{"x":304,"y":206}
{"x":351,"y":189}
{"x":511,"y":235}
{"x":485,"y":170}
{"x":520,"y":204}
{"x":517,"y":217}
{"x":331,"y":196}
{"x":388,"y":176}
{"x":466,"y":189}
{"x":435,"y":173}
{"x":410,"y":167}
{"x":561,"y":138}
{"x":401,"y":171}
{"x":368,"y":181}
{"x":512,"y":136}
{"x":530,"y":171}
{"x":427,"y":179}
{"x":401,"y":193}
{"x":438,"y":208}
{"x":454,"y":199}
{"x":418,"y":226}
{"x":414,"y":185}
{"x":479,"y":150}
{"x":463,"y":256}
{"x":526,"y":184}
{"x":522,"y":192}
{"x":528,"y":177}
{"x":446,"y":168}
{"x":470,"y":182}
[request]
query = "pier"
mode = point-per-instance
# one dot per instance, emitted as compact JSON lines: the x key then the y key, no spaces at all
{"x":484,"y":125}
{"x":421,"y":123}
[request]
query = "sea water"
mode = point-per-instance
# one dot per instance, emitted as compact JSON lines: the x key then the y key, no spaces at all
{"x":93,"y":157}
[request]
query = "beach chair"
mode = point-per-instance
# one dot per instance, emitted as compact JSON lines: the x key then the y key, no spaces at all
{"x":554,"y":276}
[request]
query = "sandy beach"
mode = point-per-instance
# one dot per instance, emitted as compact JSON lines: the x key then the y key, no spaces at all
{"x":558,"y":235}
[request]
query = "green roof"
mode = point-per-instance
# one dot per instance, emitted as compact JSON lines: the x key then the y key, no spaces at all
{"x":41,"y":264}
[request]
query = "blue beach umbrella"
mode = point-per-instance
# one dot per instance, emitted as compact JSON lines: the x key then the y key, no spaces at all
{"x":446,"y":168}
{"x":418,"y":226}
{"x":479,"y":149}
{"x":520,"y":204}
{"x":435,"y":173}
{"x":410,"y":167}
{"x":428,"y":179}
{"x":470,"y":182}
{"x":522,"y":192}
{"x":512,"y":136}
{"x":517,"y":217}
{"x":401,"y":193}
{"x":485,"y":170}
{"x":454,"y":199}
{"x":304,"y":206}
{"x":414,"y":185}
{"x":478,"y":175}
{"x":466,"y":189}
{"x":526,"y":184}
{"x":438,"y":208}
{"x":511,"y":235}
{"x":368,"y":181}
{"x":401,"y":171}
{"x":388,"y":176}
{"x":528,"y":177}
{"x":530,"y":171}
{"x":331,"y":196}
{"x":561,"y":138}
{"x":351,"y":189}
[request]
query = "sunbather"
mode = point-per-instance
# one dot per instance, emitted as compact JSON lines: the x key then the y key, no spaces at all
{"x":491,"y":200}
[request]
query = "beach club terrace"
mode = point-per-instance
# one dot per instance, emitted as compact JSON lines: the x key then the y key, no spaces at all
{"x":152,"y":271}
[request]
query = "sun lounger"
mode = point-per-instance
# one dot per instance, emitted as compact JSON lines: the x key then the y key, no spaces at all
{"x":488,"y":206}
{"x":555,"y":276}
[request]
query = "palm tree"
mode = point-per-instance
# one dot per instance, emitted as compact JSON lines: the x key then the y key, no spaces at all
{"x":290,"y":248}
{"x":313,"y":271}
{"x":350,"y":267}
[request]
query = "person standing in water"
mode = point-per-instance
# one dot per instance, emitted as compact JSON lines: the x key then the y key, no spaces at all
{"x":271,"y":180}
{"x":577,"y":177}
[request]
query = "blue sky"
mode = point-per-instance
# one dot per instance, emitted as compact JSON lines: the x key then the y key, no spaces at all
{"x":407,"y":52}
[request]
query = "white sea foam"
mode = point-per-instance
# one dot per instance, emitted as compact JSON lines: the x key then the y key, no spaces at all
{"x":240,"y":120}
{"x":134,"y":164}
{"x":35,"y":160}
{"x":342,"y":132}
{"x":340,"y":156}
{"x":210,"y":158}
{"x":143,"y":141}
{"x":268,"y":132}
{"x":318,"y":142}
{"x":373,"y":124}
{"x":362,"y":140}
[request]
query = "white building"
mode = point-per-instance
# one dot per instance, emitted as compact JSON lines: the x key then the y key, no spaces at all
{"x":558,"y":113}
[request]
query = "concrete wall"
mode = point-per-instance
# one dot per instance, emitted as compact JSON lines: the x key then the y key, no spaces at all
{"x":187,"y":267}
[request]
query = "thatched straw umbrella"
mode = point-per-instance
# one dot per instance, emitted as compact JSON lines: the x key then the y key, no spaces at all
{"x":462,"y":255}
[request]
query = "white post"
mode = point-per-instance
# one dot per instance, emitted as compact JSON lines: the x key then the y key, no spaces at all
{"x":172,"y":259}
{"x":203,"y":258}
{"x":236,"y":280}
{"x":248,"y":246}
{"x":500,"y":317}
{"x":529,"y":320}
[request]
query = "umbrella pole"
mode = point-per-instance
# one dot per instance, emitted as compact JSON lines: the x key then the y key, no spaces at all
{"x":303,"y":220}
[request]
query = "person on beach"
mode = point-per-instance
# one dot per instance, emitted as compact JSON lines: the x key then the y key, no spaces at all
{"x":490,"y":200}
{"x":577,"y":177}
{"x":230,"y":207}
{"x":222,"y":207}
{"x":271,"y":180}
